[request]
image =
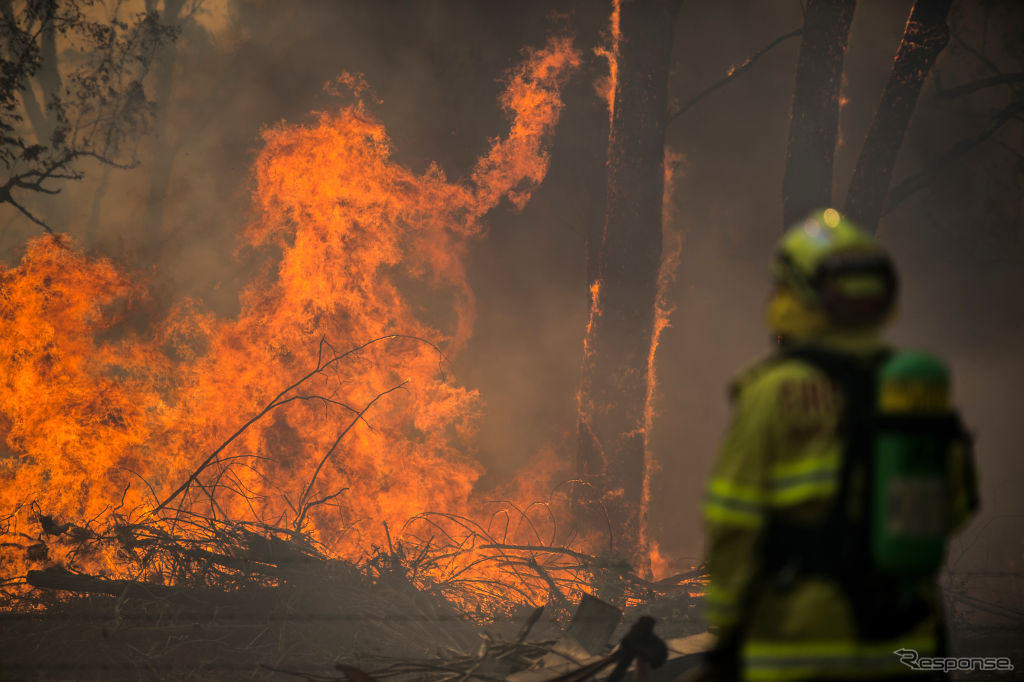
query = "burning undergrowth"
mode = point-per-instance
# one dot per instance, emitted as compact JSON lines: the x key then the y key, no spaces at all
{"x":208,"y":599}
{"x":299,"y":481}
{"x":322,"y":420}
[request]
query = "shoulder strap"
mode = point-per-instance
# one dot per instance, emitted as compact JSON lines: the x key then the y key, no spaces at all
{"x":882,"y":606}
{"x":751,"y":372}
{"x":843,"y":368}
{"x":845,"y":529}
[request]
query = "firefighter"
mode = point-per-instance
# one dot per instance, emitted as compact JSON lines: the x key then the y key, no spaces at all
{"x":840,"y":480}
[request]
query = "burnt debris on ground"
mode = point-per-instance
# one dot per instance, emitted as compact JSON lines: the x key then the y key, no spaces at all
{"x":211,"y":599}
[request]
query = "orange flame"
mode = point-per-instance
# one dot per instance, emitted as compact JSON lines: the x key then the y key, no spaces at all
{"x":672,"y":248}
{"x":606,"y":85}
{"x":97,"y":417}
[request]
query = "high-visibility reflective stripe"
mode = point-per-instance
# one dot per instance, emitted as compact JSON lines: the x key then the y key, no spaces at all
{"x":790,"y":483}
{"x":720,"y":514}
{"x":807,"y":465}
{"x":722,"y":611}
{"x":923,"y":644}
{"x":722,"y":607}
{"x":796,"y":489}
{"x":715,"y":595}
{"x":725,"y":488}
{"x":813,"y":669}
{"x":765,"y":661}
{"x":726,"y":510}
{"x":802,"y":480}
{"x":734,"y":504}
{"x":722,"y":620}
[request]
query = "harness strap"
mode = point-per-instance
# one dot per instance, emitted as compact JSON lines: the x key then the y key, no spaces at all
{"x":882,"y":606}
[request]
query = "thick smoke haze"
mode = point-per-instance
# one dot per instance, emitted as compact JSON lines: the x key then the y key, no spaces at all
{"x":957,"y":243}
{"x":434,"y":69}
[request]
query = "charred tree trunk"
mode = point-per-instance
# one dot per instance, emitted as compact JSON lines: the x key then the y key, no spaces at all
{"x":614,"y":383}
{"x":807,"y":183}
{"x":924,"y":38}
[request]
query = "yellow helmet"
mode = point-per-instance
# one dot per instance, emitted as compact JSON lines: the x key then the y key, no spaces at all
{"x":837,"y":269}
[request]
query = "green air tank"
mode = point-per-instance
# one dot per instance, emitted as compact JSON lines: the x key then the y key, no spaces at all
{"x":910,"y":520}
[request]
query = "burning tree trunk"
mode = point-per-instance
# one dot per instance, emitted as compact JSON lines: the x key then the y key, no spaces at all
{"x":924,"y":38}
{"x":614,"y":383}
{"x":807,"y":183}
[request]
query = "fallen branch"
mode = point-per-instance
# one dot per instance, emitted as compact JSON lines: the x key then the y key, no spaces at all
{"x":542,"y":548}
{"x":56,"y":578}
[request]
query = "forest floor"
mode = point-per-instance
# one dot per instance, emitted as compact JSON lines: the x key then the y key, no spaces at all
{"x":309,"y":627}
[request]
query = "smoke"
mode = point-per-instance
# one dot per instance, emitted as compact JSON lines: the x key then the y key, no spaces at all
{"x":957,"y":245}
{"x":434,"y":70}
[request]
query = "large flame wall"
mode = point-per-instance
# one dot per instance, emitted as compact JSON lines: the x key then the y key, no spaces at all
{"x":97,"y":417}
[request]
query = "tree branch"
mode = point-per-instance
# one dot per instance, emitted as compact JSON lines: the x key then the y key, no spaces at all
{"x":933,"y":167}
{"x":309,"y":486}
{"x":974,"y":86}
{"x":321,"y":365}
{"x":733,"y":73}
{"x":988,"y":63}
{"x":543,"y":548}
{"x":25,"y":212}
{"x":925,"y":36}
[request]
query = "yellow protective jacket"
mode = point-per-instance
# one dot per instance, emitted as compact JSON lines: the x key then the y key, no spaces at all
{"x":781,"y":457}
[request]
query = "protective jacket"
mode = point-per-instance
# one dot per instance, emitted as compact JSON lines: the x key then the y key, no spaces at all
{"x":781,"y":462}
